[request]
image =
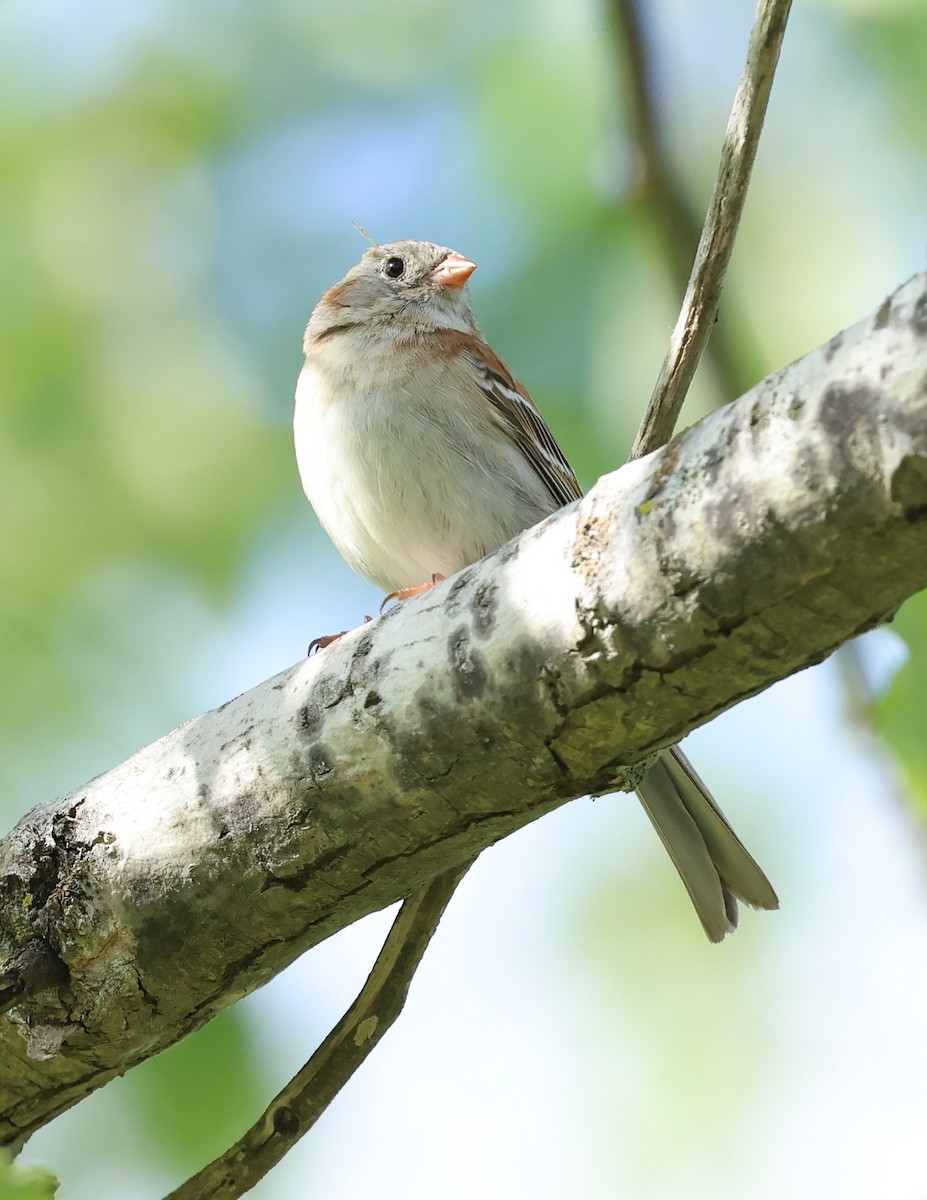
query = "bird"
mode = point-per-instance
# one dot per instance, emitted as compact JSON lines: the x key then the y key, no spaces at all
{"x":421,"y":453}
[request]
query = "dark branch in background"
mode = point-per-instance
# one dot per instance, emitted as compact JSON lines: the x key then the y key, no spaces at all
{"x":304,"y":1099}
{"x":732,"y":354}
{"x":666,"y":201}
{"x":297,"y":1108}
{"x":703,"y":293}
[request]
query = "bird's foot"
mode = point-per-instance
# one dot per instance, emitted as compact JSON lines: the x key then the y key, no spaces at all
{"x":409,"y":592}
{"x":320,"y":643}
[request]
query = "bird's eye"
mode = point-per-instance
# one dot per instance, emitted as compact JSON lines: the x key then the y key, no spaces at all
{"x":394,"y":267}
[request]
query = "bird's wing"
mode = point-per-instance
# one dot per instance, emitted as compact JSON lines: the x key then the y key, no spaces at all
{"x":514,"y":409}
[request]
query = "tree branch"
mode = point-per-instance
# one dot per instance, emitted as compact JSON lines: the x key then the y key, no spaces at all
{"x":748,"y":548}
{"x":700,"y":306}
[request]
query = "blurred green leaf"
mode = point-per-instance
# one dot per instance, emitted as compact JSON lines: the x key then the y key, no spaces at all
{"x":199,"y":1096}
{"x":899,"y":713}
{"x":24,"y":1183}
{"x":132,"y":424}
{"x":892,"y":38}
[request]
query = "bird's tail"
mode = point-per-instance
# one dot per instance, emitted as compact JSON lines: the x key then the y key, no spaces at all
{"x":712,"y":861}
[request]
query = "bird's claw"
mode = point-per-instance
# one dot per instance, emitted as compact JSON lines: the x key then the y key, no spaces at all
{"x":409,"y":592}
{"x":320,"y":643}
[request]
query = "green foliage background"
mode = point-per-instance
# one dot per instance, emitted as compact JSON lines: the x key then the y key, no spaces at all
{"x":178,"y":185}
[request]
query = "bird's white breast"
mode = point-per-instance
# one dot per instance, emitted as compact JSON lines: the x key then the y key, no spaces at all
{"x":406,"y":480}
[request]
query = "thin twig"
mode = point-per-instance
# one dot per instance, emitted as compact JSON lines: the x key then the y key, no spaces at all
{"x":295,"y":1110}
{"x":732,"y":350}
{"x":703,"y":293}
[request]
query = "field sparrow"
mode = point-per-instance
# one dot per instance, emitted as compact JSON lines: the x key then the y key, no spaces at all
{"x":421,"y":453}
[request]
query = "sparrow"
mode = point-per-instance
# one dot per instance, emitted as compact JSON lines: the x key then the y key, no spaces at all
{"x":421,"y":453}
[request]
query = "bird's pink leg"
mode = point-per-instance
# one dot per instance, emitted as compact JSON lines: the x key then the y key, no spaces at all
{"x":320,"y":643}
{"x":409,"y":592}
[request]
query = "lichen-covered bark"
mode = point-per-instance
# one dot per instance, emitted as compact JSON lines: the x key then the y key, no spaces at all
{"x":750,"y":547}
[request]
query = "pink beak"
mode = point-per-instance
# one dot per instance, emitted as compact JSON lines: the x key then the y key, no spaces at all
{"x":454,"y":271}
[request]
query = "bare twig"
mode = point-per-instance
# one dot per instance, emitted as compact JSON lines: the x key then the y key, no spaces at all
{"x":295,"y":1110}
{"x":700,"y":305}
{"x":732,"y":349}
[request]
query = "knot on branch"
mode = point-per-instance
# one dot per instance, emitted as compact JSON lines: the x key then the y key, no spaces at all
{"x":32,"y":969}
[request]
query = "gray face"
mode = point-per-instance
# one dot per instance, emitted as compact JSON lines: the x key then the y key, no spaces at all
{"x":404,"y":267}
{"x":394,"y":280}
